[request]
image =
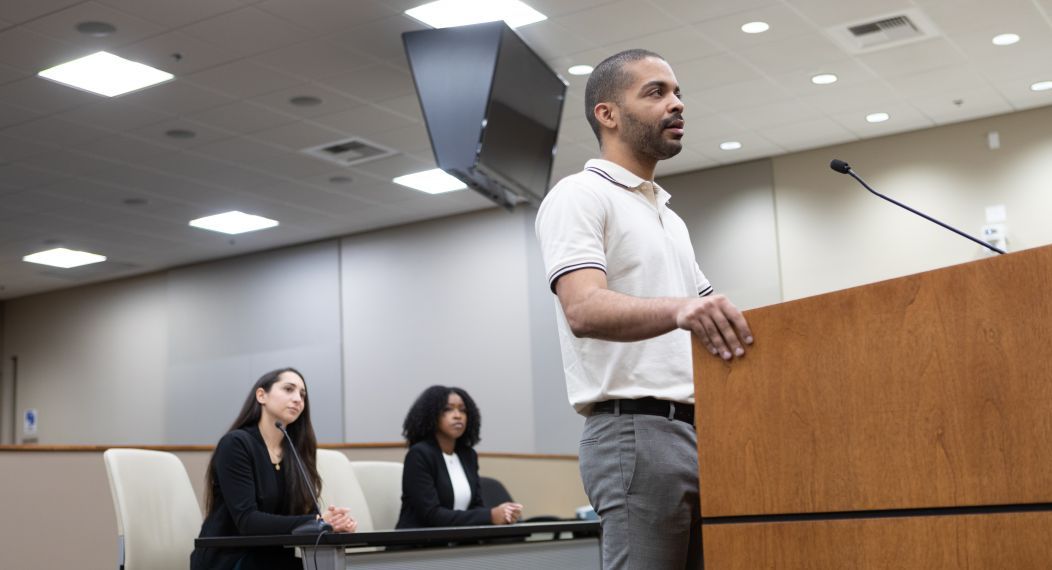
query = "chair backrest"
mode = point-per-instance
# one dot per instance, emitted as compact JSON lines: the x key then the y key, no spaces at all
{"x":158,"y":517}
{"x":340,"y":487}
{"x":381,"y":482}
{"x":493,"y":492}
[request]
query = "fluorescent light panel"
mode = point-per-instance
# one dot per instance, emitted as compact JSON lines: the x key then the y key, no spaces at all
{"x":1005,"y":39}
{"x":451,"y":13}
{"x":730,"y":145}
{"x":580,"y":69}
{"x":105,"y":74}
{"x":233,"y":222}
{"x":755,"y":27}
{"x":64,"y":258}
{"x":877,"y":117}
{"x":434,"y":181}
{"x":824,"y":79}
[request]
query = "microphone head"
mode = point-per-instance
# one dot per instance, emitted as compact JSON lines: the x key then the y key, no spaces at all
{"x":279,"y":425}
{"x":840,"y":166}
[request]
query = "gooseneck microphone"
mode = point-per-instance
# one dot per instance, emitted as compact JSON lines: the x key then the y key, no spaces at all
{"x":318,"y":525}
{"x":845,"y":168}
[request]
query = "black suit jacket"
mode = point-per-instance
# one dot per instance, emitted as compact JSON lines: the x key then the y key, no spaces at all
{"x":248,"y":494}
{"x":427,"y":493}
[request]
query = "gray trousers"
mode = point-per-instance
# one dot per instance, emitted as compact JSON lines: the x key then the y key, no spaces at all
{"x":641,"y":475}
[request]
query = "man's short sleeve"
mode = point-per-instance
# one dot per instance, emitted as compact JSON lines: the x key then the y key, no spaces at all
{"x":704,"y":287}
{"x":569,"y":227}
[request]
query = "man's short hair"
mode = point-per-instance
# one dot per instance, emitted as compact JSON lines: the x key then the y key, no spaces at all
{"x":608,"y":81}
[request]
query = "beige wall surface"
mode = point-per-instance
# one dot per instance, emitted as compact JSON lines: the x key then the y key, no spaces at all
{"x":48,"y":494}
{"x":833,"y":234}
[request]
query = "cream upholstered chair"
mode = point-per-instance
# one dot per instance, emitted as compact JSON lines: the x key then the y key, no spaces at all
{"x":158,"y":517}
{"x":381,"y":482}
{"x":339,"y":486}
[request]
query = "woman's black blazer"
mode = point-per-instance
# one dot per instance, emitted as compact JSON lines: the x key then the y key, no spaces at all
{"x":427,"y":493}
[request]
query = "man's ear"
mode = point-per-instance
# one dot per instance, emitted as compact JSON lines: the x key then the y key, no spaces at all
{"x":606,"y":114}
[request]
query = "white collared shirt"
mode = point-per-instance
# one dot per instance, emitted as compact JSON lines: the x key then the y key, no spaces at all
{"x":459,"y":479}
{"x":596,"y":219}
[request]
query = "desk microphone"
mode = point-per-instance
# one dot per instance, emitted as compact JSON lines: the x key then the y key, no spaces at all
{"x":844,"y":168}
{"x":318,"y":525}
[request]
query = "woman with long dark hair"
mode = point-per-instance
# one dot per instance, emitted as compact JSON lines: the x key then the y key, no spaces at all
{"x":252,"y":484}
{"x":440,"y":480}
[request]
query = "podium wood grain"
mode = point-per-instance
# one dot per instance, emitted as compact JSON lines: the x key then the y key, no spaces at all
{"x":931,"y":390}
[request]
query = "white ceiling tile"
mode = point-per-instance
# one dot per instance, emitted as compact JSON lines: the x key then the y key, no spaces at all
{"x":13,"y":149}
{"x":114,"y":114}
{"x":913,"y":58}
{"x":32,"y":52}
{"x":838,"y":98}
{"x":62,"y":25}
{"x":177,"y":98}
{"x":406,"y":139}
{"x":123,"y":148}
{"x":364,"y":121}
{"x":1035,"y":39}
{"x":953,"y":16}
{"x":56,"y":132}
{"x":407,"y":106}
{"x":18,"y":11}
{"x":705,"y":127}
{"x":712,"y":72}
{"x":848,"y":72}
{"x":175,"y":14}
{"x":244,"y":117}
{"x":293,"y":165}
{"x":685,"y":161}
{"x":9,"y":74}
{"x":299,"y":135}
{"x":615,"y":22}
{"x":694,"y":11}
{"x":1021,"y":97}
{"x":332,"y":101}
{"x":825,"y":13}
{"x":177,"y":53}
{"x":903,"y":118}
{"x":203,"y":133}
{"x":549,"y":39}
{"x":796,"y":54}
{"x":24,"y":177}
{"x":954,"y":77}
{"x":315,"y":59}
{"x":324,"y":16}
{"x":67,"y":162}
{"x":772,"y":115}
{"x":248,"y":31}
{"x":243,"y":79}
{"x":373,"y":83}
{"x":741,"y":95}
{"x":387,"y":169}
{"x":804,"y":133}
{"x":550,"y":8}
{"x":725,"y":31}
{"x":944,"y":108}
{"x":380,"y":39}
{"x":12,"y":115}
{"x":43,"y":96}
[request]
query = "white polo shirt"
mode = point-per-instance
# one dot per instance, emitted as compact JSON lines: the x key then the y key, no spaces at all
{"x":596,"y":219}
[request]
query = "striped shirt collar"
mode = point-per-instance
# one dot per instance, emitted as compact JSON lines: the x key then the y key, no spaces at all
{"x":621,"y":176}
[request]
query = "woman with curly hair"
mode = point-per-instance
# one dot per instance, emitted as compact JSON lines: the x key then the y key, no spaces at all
{"x":252,"y":486}
{"x":440,"y":481}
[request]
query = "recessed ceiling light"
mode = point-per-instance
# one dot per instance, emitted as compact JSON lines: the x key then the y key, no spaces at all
{"x":580,"y":69}
{"x":64,"y":258}
{"x":233,"y":222}
{"x":180,"y":134}
{"x":824,"y":79}
{"x":305,"y":101}
{"x":1005,"y":39}
{"x":450,"y":13}
{"x":434,"y":181}
{"x":105,"y":74}
{"x":1041,"y":86}
{"x":96,"y":29}
{"x":730,"y":145}
{"x":877,"y":117}
{"x":340,"y":180}
{"x":755,"y":27}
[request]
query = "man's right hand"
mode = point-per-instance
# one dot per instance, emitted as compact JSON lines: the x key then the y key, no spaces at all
{"x":718,"y":323}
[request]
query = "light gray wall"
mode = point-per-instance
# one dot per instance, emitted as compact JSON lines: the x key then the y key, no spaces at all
{"x":231,"y":321}
{"x":448,"y":302}
{"x":730,"y":213}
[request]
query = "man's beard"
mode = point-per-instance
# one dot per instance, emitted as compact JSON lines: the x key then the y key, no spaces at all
{"x":649,"y":140}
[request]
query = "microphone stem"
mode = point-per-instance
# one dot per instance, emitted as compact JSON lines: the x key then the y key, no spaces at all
{"x":926,"y":216}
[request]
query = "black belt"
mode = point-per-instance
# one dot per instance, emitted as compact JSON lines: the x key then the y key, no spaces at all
{"x":648,"y":406}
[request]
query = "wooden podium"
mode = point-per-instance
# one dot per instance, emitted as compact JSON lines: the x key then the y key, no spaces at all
{"x":903,"y":424}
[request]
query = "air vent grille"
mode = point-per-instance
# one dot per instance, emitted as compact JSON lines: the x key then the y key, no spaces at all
{"x":350,"y":152}
{"x":883,"y":31}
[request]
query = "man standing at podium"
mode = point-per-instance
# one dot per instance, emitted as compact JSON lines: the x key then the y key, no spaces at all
{"x":630,"y":295}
